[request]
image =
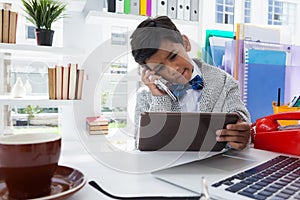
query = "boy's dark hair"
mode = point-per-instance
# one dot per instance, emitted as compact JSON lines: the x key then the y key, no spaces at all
{"x":146,"y":39}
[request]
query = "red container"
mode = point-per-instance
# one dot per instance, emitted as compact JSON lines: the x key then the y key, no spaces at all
{"x":269,"y":135}
{"x":285,"y":141}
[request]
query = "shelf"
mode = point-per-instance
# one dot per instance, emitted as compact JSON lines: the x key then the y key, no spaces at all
{"x":97,"y":17}
{"x":115,"y":114}
{"x":33,"y":100}
{"x":75,"y":5}
{"x":72,"y":5}
{"x":30,"y":49}
{"x":120,"y":77}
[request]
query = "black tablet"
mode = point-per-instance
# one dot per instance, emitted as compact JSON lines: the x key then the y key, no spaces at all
{"x":182,"y":131}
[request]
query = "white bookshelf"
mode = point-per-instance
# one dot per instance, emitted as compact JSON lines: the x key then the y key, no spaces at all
{"x":34,"y":49}
{"x":65,"y":106}
{"x":51,"y":55}
{"x":33,"y":100}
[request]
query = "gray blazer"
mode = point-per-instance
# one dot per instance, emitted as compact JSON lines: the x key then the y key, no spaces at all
{"x":220,"y":94}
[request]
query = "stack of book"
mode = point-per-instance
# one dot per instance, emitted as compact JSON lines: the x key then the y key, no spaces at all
{"x":65,"y":82}
{"x":97,"y":125}
{"x":8,"y":26}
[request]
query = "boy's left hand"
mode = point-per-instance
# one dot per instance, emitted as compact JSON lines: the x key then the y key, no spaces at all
{"x":237,"y":135}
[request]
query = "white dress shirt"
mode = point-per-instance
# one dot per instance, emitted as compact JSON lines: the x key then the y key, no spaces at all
{"x":191,"y":100}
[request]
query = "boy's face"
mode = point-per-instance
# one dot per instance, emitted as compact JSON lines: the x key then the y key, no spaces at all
{"x":171,"y":62}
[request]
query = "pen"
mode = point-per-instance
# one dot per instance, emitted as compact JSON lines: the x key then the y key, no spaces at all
{"x":297,"y":103}
{"x":278,"y":97}
{"x":204,"y":189}
{"x":293,"y":102}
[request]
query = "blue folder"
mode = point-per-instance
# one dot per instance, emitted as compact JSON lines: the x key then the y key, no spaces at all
{"x":266,"y":73}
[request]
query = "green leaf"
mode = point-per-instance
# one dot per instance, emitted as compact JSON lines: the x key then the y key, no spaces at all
{"x":42,"y":13}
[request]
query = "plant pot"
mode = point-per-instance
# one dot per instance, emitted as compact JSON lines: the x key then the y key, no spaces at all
{"x":21,"y":123}
{"x":44,"y":37}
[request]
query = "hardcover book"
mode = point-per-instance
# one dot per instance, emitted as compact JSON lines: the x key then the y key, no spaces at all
{"x":97,"y":120}
{"x":72,"y":81}
{"x":52,"y":83}
{"x":65,"y":81}
{"x":99,"y":132}
{"x":58,"y":81}
{"x":1,"y":24}
{"x":97,"y":127}
{"x":13,"y":16}
{"x":5,"y":25}
{"x":79,"y":83}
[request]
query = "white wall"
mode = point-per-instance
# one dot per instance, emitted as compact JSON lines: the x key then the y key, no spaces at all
{"x":78,"y":34}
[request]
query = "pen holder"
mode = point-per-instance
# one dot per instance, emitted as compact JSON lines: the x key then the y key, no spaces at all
{"x":285,"y":108}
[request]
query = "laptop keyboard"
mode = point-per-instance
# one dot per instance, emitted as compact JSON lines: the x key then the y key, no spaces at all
{"x":278,"y":178}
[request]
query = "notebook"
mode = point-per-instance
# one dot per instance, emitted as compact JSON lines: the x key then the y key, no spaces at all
{"x":247,"y":174}
{"x":182,"y":131}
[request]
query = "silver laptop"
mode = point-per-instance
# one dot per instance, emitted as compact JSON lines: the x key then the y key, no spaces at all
{"x":247,"y":174}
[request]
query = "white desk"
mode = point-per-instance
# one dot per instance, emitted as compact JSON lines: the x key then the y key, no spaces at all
{"x":126,"y":174}
{"x":115,"y":182}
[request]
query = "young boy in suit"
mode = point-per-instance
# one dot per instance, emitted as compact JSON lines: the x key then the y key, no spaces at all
{"x":162,"y":51}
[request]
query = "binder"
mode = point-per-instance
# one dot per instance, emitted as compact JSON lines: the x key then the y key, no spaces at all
{"x":162,"y":7}
{"x":172,"y":8}
{"x":194,"y":10}
{"x":126,"y":6}
{"x":111,"y":5}
{"x":154,"y":8}
{"x":149,"y":8}
{"x":186,"y":10}
{"x":143,"y":7}
{"x":135,"y":7}
{"x":13,"y":18}
{"x":119,"y":6}
{"x":180,"y":9}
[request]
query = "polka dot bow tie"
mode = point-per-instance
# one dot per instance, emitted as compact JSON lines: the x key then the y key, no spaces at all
{"x":179,"y":90}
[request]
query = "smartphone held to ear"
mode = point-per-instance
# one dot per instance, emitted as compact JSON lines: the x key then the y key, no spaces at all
{"x":163,"y":87}
{"x":161,"y":84}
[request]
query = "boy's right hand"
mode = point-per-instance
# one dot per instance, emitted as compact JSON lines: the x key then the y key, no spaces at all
{"x":148,"y":78}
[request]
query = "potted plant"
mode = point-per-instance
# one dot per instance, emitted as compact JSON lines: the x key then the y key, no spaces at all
{"x":42,"y":13}
{"x":31,"y":111}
